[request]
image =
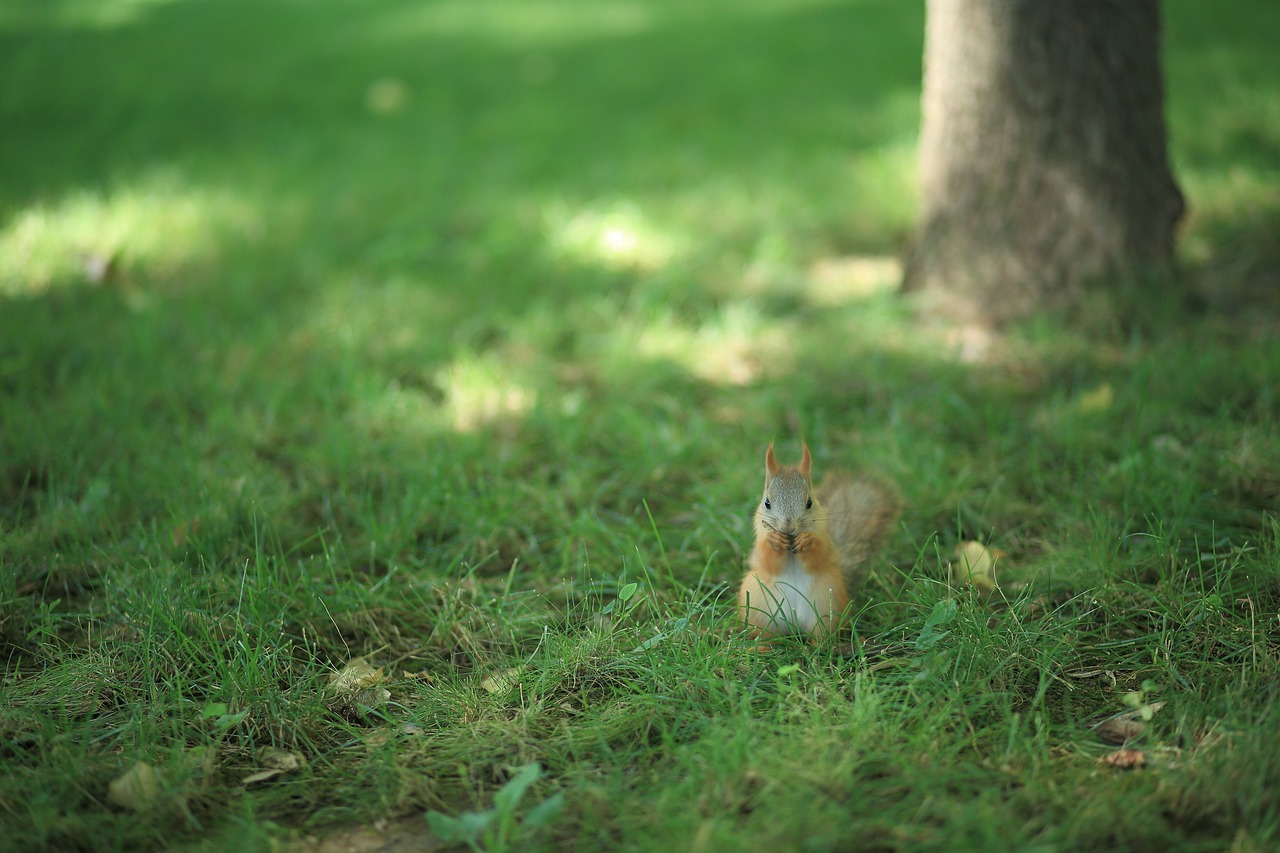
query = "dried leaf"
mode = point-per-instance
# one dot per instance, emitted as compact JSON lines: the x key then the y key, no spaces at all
{"x":1118,"y":730}
{"x":1093,"y":673}
{"x":280,"y":759}
{"x":1124,"y":759}
{"x":137,"y":788}
{"x":501,"y":682}
{"x":275,"y":762}
{"x":419,"y":675}
{"x":356,"y":690}
{"x":356,"y":675}
{"x":262,"y":776}
{"x":975,"y":566}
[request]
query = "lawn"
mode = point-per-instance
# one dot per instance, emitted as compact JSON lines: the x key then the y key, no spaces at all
{"x":384,"y":389}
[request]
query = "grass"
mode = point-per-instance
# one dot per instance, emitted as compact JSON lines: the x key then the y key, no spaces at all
{"x":427,"y":330}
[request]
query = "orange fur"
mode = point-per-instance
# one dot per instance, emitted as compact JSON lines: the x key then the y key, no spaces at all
{"x":794,"y":583}
{"x":804,"y":564}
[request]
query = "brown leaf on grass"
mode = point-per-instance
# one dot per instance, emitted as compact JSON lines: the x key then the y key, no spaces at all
{"x":262,"y":776}
{"x":280,"y":759}
{"x":357,"y":688}
{"x":1130,"y":725}
{"x":418,"y":675}
{"x":1094,"y":673}
{"x":502,"y":681}
{"x":1119,"y":731}
{"x":138,"y":788}
{"x":1124,"y":759}
{"x":356,"y":675}
{"x":275,"y":762}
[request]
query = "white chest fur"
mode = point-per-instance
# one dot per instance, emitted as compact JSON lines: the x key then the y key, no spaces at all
{"x":798,"y":601}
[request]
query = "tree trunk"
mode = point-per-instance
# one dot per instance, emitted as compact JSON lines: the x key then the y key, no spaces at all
{"x":1043,"y":162}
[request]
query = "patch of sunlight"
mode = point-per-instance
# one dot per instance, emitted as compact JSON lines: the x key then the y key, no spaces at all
{"x":472,"y":392}
{"x":838,"y":281}
{"x":101,"y":14}
{"x":522,"y":22}
{"x":480,"y":390}
{"x":617,"y":237}
{"x":154,"y":225}
{"x":736,"y":346}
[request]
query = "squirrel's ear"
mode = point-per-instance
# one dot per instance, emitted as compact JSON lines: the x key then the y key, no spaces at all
{"x":805,"y":459}
{"x":771,"y":467}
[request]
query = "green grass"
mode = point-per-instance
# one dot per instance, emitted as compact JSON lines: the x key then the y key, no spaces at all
{"x":430,"y":327}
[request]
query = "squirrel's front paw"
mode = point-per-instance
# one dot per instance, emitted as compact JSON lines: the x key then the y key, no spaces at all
{"x":803,"y":542}
{"x":779,"y":541}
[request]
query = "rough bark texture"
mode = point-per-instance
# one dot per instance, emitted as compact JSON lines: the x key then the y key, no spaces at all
{"x":1043,"y":162}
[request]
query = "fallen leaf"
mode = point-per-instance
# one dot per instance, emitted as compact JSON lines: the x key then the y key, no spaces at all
{"x":419,"y":675}
{"x":356,"y":675}
{"x":1124,"y":759}
{"x":975,"y":566}
{"x":280,"y":759}
{"x":137,"y":788}
{"x":275,"y":762}
{"x":1093,"y":673}
{"x":1119,"y":731}
{"x":501,"y":682}
{"x":262,"y":776}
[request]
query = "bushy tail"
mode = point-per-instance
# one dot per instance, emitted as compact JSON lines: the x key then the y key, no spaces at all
{"x":861,"y":512}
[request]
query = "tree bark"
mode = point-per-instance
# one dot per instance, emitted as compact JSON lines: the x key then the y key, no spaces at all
{"x":1043,"y":163}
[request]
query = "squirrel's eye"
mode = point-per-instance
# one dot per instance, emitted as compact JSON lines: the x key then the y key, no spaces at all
{"x":766,"y":504}
{"x":808,"y":504}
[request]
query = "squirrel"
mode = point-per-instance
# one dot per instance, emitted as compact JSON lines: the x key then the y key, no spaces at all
{"x":811,"y":548}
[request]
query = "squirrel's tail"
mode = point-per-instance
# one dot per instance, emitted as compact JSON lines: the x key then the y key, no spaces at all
{"x":861,"y":512}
